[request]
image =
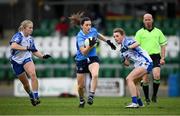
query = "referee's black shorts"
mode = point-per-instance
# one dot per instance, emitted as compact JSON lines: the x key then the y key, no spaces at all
{"x":156,"y":60}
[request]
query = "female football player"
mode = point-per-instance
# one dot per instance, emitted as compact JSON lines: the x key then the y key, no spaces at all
{"x":87,"y":60}
{"x":22,"y":48}
{"x":130,"y":50}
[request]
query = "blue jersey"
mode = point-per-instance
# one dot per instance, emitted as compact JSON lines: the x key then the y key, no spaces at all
{"x":139,"y":56}
{"x":18,"y":55}
{"x":80,"y":38}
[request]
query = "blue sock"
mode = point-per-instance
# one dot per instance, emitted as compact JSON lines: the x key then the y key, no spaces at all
{"x":134,"y":99}
{"x":31,"y":95}
{"x":36,"y":95}
{"x":140,"y":102}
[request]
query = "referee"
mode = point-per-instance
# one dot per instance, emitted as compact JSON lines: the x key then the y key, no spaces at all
{"x":154,"y":42}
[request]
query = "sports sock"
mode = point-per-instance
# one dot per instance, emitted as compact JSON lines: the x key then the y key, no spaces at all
{"x":81,"y":99}
{"x":134,"y":99}
{"x":156,"y":84}
{"x":31,"y":95}
{"x":91,"y":94}
{"x":139,"y":101}
{"x":146,"y":90}
{"x":36,"y":94}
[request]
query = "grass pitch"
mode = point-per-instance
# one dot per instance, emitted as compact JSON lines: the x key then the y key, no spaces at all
{"x":101,"y":106}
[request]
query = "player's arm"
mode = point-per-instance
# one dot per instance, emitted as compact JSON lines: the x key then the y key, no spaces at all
{"x":134,"y":45}
{"x":16,"y":46}
{"x":102,"y":37}
{"x":86,"y":49}
{"x":163,"y":51}
{"x":40,"y":55}
{"x":163,"y":43}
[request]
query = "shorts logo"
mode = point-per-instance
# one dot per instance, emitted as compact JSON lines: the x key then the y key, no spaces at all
{"x":80,"y":68}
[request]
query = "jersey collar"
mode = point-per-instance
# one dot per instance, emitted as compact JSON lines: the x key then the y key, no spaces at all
{"x":148,"y":29}
{"x":24,"y":36}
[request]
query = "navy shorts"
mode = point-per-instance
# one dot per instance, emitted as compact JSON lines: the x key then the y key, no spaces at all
{"x":19,"y":68}
{"x":156,"y":60}
{"x":82,"y":65}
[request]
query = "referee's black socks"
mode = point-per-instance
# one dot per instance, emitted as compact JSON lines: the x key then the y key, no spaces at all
{"x":156,"y":84}
{"x":145,"y":87}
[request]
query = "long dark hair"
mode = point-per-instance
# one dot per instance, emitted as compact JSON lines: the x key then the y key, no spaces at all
{"x":78,"y":18}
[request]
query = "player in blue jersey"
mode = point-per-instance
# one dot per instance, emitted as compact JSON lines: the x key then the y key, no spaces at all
{"x":87,"y":60}
{"x":22,"y":48}
{"x":131,"y":51}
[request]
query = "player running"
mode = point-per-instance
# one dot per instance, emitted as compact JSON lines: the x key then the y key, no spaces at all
{"x":22,"y":47}
{"x":87,"y":60}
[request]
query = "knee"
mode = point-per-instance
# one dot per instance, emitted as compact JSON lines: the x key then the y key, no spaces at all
{"x":145,"y":80}
{"x":156,"y":76}
{"x":80,"y":86}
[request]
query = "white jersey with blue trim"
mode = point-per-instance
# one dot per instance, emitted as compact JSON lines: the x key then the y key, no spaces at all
{"x":18,"y":55}
{"x":137,"y":55}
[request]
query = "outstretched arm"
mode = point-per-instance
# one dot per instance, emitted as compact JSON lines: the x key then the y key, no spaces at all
{"x":102,"y":37}
{"x":40,"y":55}
{"x":134,"y":45}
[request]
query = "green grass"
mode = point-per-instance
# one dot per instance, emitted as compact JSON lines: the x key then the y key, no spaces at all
{"x":101,"y":106}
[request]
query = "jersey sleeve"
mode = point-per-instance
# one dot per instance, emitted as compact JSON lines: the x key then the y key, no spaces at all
{"x":80,"y":41}
{"x":32,"y":45}
{"x":17,"y":38}
{"x":162,"y":39}
{"x":129,"y":41}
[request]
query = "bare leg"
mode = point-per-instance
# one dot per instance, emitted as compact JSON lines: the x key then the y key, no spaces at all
{"x":24,"y":80}
{"x":94,"y":70}
{"x":80,"y":81}
{"x":81,"y":86}
{"x":30,"y":70}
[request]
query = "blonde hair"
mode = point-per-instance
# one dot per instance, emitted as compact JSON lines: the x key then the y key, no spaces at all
{"x":24,"y":24}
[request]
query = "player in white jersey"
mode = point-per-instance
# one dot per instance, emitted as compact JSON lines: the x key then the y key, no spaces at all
{"x":131,"y":51}
{"x":22,"y":48}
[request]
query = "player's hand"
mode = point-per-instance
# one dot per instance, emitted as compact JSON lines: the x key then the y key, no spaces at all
{"x":31,"y":49}
{"x":46,"y":56}
{"x":126,"y":62}
{"x":92,"y":41}
{"x":162,"y":61}
{"x":124,"y":48}
{"x":111,"y":44}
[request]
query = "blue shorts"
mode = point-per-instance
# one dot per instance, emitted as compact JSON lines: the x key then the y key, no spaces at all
{"x":19,"y":68}
{"x":150,"y":67}
{"x":82,"y":65}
